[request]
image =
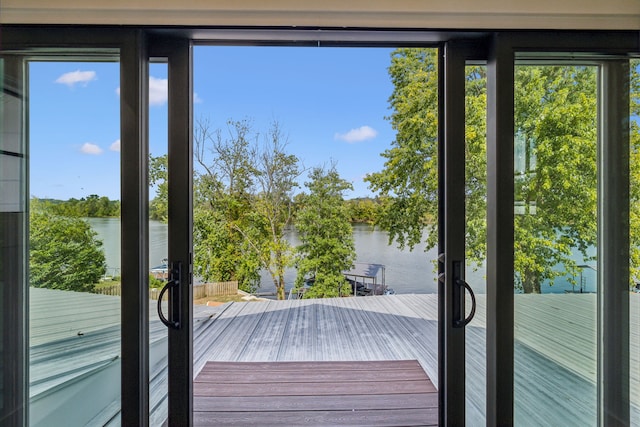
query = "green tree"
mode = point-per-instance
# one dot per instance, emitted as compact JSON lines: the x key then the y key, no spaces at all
{"x":327,"y":247}
{"x":158,"y":176}
{"x":556,"y":176}
{"x":223,"y":201}
{"x":408,"y":184}
{"x":91,"y":206}
{"x":555,"y":121}
{"x":363,"y":210}
{"x":247,"y":189}
{"x":276,"y":178}
{"x":64,"y":252}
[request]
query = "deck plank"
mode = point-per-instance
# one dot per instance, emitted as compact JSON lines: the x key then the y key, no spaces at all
{"x":224,"y":376}
{"x":319,"y":389}
{"x":385,"y":417}
{"x":379,"y":393}
{"x":555,"y":344}
{"x":312,"y":403}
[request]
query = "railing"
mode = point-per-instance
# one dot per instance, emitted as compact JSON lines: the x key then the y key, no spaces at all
{"x":108,"y":290}
{"x":199,"y":291}
{"x":215,"y":289}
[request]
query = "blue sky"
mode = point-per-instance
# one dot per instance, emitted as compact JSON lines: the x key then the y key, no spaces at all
{"x":330,"y":102}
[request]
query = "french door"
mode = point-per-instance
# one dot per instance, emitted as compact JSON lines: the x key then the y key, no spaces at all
{"x":178,"y":55}
{"x":601,"y":340}
{"x":558,"y":160}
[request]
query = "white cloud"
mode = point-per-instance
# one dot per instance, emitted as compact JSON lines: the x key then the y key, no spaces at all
{"x":115,"y":146}
{"x":89,"y":148}
{"x":357,"y":135}
{"x":74,"y":77}
{"x":158,"y":91}
{"x":197,"y":99}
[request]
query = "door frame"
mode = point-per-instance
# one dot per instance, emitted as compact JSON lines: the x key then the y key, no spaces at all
{"x":178,"y":52}
{"x":135,"y":45}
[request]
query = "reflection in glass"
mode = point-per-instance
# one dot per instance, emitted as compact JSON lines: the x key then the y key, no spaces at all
{"x":74,"y":296}
{"x":634,"y":250}
{"x":475,"y":241}
{"x":555,"y":160}
{"x":158,"y":249}
{"x":13,"y":208}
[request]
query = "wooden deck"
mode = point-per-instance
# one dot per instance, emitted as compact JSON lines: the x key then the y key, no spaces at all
{"x":555,"y":347}
{"x":401,"y":327}
{"x":382,"y":393}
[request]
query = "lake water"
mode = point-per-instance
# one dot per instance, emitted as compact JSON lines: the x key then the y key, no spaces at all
{"x":108,"y":230}
{"x":406,"y":271}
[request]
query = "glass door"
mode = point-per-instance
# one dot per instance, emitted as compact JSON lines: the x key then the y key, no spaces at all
{"x":571,"y":227}
{"x":536,"y":188}
{"x":556,"y":256}
{"x":13,"y":250}
{"x":486,"y":361}
{"x":61,"y":261}
{"x":177,"y":313}
{"x":463,"y":193}
{"x":74,"y":242}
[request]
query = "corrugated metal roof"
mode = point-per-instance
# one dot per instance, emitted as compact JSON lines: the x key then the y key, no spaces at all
{"x":75,"y":357}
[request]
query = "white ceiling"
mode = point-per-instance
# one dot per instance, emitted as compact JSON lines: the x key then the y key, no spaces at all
{"x":432,"y":14}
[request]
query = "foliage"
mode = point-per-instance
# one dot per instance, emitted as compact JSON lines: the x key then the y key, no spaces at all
{"x":555,"y":132}
{"x":64,"y":252}
{"x":409,"y":181}
{"x":363,"y":210}
{"x":634,"y":164}
{"x":244,"y":204}
{"x":556,"y":183}
{"x":327,"y":247}
{"x":220,"y":253}
{"x":222,"y":205}
{"x":158,"y":176}
{"x":155,"y":283}
{"x":93,"y":206}
{"x":276,"y":178}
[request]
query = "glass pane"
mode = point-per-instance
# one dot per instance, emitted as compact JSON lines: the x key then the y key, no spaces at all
{"x":13,"y":283}
{"x":555,"y":245}
{"x":74,"y":256}
{"x":330,"y":105}
{"x":158,"y":241}
{"x":476,"y":242}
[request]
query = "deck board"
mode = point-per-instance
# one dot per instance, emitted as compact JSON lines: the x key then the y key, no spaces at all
{"x":357,"y":393}
{"x":554,"y":346}
{"x":393,"y":417}
{"x":312,"y":403}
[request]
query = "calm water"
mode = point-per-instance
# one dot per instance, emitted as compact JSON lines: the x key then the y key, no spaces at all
{"x":406,"y":271}
{"x":108,"y":230}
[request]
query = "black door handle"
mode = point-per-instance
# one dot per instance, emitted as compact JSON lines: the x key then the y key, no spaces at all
{"x":174,"y":297}
{"x":462,"y":322}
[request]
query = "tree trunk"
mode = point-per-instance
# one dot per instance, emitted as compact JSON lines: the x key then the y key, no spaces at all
{"x":531,"y":283}
{"x":280,"y":288}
